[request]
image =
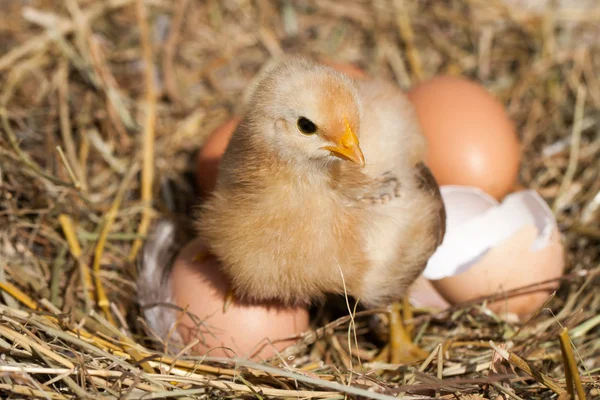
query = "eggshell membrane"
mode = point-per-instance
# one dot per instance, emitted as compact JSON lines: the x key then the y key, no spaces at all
{"x":509,"y":265}
{"x":471,"y":139}
{"x":200,"y":288}
{"x":209,"y":156}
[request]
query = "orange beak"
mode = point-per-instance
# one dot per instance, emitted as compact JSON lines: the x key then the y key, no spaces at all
{"x":347,"y":147}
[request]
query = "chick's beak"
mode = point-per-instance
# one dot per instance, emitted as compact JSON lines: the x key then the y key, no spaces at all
{"x":347,"y":147}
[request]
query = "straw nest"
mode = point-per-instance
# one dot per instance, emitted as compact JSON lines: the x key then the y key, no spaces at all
{"x":103,"y":104}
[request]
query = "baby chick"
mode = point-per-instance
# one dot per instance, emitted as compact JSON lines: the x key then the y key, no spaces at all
{"x":323,"y":189}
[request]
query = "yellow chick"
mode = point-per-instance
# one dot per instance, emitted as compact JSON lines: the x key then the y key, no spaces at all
{"x":323,"y":189}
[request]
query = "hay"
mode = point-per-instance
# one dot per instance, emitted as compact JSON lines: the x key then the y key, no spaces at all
{"x":100,"y":116}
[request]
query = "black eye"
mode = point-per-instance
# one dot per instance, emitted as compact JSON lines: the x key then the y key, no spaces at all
{"x":306,"y":126}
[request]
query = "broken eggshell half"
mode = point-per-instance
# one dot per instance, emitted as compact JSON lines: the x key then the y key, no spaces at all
{"x":491,"y":249}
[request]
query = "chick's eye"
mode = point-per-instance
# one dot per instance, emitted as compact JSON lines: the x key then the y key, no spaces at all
{"x":306,"y":126}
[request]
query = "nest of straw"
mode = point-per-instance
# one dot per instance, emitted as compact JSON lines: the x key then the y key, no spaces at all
{"x":103,"y":104}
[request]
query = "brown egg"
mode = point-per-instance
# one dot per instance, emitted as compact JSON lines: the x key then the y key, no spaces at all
{"x":243,"y":329}
{"x":471,"y":139}
{"x":509,"y":265}
{"x":209,"y":156}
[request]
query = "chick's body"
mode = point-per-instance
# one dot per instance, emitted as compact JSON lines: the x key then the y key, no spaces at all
{"x":295,"y":214}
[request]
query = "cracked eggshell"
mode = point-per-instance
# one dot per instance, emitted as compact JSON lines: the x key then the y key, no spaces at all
{"x":491,"y":249}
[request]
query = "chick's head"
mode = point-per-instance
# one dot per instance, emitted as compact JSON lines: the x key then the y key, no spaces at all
{"x":308,"y":111}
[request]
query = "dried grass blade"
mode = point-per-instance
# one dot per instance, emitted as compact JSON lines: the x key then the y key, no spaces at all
{"x":518,"y":362}
{"x":38,"y":43}
{"x":149,"y":128}
{"x":27,"y":391}
{"x":18,"y":294}
{"x":17,"y":337}
{"x":109,"y":219}
{"x":571,"y":370}
{"x":84,"y":270}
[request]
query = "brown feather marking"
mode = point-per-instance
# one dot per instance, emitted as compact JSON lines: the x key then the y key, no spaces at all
{"x":428,"y":183}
